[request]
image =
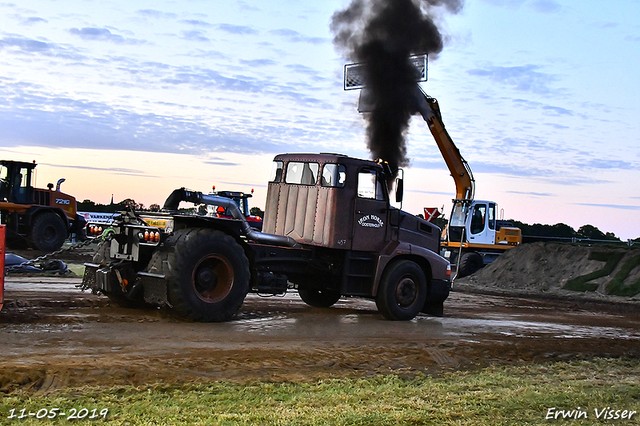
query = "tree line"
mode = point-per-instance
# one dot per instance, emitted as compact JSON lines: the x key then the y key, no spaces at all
{"x":559,"y":230}
{"x":93,"y":207}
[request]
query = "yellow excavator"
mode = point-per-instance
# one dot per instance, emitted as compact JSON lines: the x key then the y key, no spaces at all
{"x":474,"y":235}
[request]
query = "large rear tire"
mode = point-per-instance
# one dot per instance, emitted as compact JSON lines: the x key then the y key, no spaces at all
{"x":402,"y":292}
{"x":48,"y":232}
{"x":209,"y":275}
{"x":319,"y":298}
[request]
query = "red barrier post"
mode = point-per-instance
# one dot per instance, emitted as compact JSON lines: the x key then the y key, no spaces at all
{"x":2,"y":234}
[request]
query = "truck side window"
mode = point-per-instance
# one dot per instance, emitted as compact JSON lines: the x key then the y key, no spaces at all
{"x":369,"y":186}
{"x":333,"y":175}
{"x":300,"y":173}
{"x":276,"y":172}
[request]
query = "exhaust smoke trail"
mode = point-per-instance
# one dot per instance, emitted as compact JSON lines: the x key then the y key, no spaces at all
{"x":382,"y":34}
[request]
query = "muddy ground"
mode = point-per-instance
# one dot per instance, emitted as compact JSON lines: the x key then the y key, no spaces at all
{"x":54,"y":335}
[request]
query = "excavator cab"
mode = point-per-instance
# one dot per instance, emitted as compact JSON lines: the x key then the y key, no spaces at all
{"x":476,"y":219}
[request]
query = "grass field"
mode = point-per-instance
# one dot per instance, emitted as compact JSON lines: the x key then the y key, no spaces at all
{"x":511,"y":395}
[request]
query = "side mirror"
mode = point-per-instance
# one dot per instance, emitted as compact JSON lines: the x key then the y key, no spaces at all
{"x":399,"y":190}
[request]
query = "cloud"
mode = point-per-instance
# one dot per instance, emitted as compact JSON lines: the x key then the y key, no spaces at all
{"x":29,"y":118}
{"x":534,"y":194}
{"x":220,"y":163}
{"x":546,"y":6}
{"x":547,"y":109}
{"x":246,"y":6}
{"x":419,"y":191}
{"x":102,"y":34}
{"x":524,"y":78}
{"x":98,"y":126}
{"x":607,"y":25}
{"x":553,"y":110}
{"x":26,"y":46}
{"x":237,"y":29}
{"x":258,"y":62}
{"x":32,"y":20}
{"x":195,"y":35}
{"x":196,"y":23}
{"x":151,"y":13}
{"x":116,"y":170}
{"x":605,"y":164}
{"x":296,"y":37}
{"x":609,"y":206}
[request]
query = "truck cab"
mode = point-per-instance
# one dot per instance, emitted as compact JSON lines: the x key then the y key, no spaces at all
{"x":331,"y":201}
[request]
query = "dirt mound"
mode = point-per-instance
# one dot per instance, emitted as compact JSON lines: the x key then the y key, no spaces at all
{"x":598,"y":272}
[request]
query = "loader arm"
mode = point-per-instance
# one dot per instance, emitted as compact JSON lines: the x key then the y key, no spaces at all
{"x":458,"y":167}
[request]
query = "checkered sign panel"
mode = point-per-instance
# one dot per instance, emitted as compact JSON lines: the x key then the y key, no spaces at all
{"x":354,"y":79}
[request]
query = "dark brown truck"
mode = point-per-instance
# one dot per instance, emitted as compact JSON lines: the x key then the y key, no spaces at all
{"x":329,"y":231}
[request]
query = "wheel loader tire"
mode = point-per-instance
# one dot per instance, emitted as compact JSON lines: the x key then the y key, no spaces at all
{"x":402,"y":292}
{"x":48,"y":232}
{"x":209,"y":275}
{"x":319,"y":298}
{"x":469,"y":264}
{"x":116,"y":295}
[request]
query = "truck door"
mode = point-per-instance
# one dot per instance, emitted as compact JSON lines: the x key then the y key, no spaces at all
{"x":481,"y":227}
{"x":371,"y":212}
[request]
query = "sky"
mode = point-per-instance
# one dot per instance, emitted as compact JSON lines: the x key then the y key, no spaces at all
{"x":136,"y":98}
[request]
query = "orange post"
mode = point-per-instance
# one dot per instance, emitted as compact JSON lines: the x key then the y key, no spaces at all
{"x":2,"y":234}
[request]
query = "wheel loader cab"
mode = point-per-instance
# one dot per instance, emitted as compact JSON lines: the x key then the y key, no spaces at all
{"x":15,"y":182}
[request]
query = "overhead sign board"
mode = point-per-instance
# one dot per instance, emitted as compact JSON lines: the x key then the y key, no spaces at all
{"x":354,"y":73}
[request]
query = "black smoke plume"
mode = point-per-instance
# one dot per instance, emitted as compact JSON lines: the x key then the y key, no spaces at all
{"x":382,"y":34}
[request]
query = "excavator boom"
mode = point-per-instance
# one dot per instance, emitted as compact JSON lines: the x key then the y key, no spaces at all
{"x":458,"y":167}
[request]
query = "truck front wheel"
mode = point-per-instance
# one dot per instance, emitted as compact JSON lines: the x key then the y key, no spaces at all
{"x":319,"y":298}
{"x":402,"y":292}
{"x":209,"y":275}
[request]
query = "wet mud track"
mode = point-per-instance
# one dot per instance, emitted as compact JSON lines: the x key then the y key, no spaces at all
{"x":53,"y":335}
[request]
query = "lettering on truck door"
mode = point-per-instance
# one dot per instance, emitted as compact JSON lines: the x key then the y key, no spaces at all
{"x":371,"y":213}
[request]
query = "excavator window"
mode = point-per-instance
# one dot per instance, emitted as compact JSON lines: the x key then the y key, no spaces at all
{"x":459,"y":214}
{"x":492,"y":216}
{"x":477,"y":220}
